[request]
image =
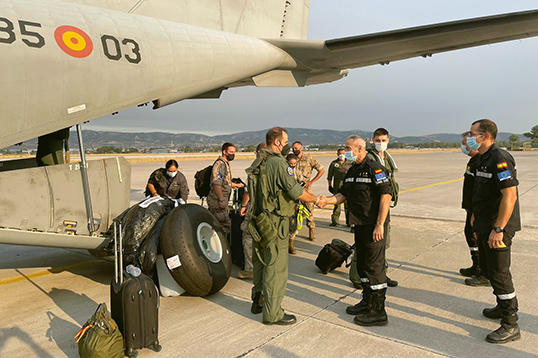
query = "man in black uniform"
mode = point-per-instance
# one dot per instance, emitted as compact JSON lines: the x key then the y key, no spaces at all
{"x":368,"y":192}
{"x":477,"y":278}
{"x":496,"y":220}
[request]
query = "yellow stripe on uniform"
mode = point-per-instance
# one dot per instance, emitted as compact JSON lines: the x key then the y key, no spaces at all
{"x":430,"y":185}
{"x":11,"y":280}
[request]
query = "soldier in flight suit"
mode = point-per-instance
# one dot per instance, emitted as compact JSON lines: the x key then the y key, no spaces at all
{"x":246,"y":209}
{"x":221,"y":187}
{"x":168,"y":182}
{"x":274,"y":192}
{"x":495,"y":220}
{"x":381,"y":155}
{"x":50,"y":148}
{"x":337,"y":171}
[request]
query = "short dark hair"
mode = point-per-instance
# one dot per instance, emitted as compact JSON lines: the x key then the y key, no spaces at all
{"x":261,"y":146}
{"x":340,"y":149}
{"x":171,"y":163}
{"x":226,"y":145}
{"x":291,"y":156}
{"x":297,"y":142}
{"x":273,"y":134}
{"x":487,"y":126}
{"x":380,"y":131}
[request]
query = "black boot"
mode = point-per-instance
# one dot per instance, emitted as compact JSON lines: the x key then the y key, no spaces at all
{"x":477,"y":281}
{"x":509,"y":329}
{"x":376,"y":316}
{"x":257,"y":303}
{"x":493,"y":313}
{"x":505,"y":333}
{"x":474,"y":270}
{"x":363,"y":306}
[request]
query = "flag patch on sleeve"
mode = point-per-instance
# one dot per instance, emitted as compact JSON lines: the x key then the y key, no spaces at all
{"x":502,"y":165}
{"x":504,"y":175}
{"x":380,"y":176}
{"x":290,"y":170}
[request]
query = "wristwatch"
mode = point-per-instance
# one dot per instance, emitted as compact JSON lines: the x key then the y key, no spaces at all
{"x":498,"y":229}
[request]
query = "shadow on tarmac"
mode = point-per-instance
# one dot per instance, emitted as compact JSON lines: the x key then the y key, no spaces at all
{"x":18,"y":334}
{"x":77,"y":306}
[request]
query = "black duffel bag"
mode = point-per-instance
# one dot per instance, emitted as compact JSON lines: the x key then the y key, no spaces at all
{"x":333,"y":255}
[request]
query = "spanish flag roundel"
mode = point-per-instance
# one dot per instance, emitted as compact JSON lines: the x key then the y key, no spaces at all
{"x":73,"y":41}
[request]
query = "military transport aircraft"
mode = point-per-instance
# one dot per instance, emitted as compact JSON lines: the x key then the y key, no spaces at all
{"x":65,"y":62}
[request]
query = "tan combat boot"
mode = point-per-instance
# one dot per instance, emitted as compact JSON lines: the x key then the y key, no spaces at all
{"x":291,"y":249}
{"x":311,"y":235}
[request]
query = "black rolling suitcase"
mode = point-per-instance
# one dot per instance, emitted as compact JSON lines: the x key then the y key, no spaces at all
{"x":134,"y":305}
{"x":333,"y":255}
{"x":236,"y":239}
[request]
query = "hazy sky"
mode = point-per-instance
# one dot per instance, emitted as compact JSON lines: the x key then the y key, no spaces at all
{"x":411,"y":97}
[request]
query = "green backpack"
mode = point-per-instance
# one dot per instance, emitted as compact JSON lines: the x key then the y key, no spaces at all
{"x":100,"y":336}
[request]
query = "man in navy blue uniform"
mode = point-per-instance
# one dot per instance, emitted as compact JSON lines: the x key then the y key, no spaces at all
{"x":368,"y":192}
{"x":496,"y":219}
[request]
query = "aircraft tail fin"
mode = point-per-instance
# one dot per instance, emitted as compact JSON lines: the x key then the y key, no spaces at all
{"x":257,"y":18}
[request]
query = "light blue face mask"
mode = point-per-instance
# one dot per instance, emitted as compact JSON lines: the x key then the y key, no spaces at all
{"x":464,"y":150}
{"x":472,"y":144}
{"x":350,"y":156}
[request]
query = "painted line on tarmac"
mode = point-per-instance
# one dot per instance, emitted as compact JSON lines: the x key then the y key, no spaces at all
{"x":430,"y":185}
{"x":8,"y":281}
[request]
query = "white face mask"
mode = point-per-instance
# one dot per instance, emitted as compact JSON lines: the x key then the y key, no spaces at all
{"x":341,"y":157}
{"x":349,"y":156}
{"x":171,"y":174}
{"x":381,"y":146}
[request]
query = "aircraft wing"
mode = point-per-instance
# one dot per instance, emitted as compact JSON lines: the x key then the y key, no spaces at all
{"x":323,"y":61}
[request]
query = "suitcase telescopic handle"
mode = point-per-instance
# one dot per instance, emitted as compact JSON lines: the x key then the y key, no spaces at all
{"x":118,"y":253}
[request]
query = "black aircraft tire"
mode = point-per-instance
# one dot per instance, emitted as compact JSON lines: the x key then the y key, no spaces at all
{"x":196,"y":250}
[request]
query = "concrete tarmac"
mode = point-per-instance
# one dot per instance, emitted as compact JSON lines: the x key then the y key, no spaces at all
{"x":46,"y":294}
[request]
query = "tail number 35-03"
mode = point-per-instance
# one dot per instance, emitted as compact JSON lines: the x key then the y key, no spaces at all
{"x":71,"y":40}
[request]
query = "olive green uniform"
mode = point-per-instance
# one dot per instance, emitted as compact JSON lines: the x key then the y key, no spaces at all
{"x":337,"y":173}
{"x":303,"y":173}
{"x":247,"y":239}
{"x":221,"y":175}
{"x":50,"y":147}
{"x":392,"y":168}
{"x":175,"y":188}
{"x":271,"y":275}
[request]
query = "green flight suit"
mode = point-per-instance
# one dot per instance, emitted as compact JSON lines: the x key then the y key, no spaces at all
{"x":271,"y":275}
{"x":50,"y":147}
{"x":337,"y":171}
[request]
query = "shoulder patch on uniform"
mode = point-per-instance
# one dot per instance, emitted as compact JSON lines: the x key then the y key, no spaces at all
{"x":219,"y":175}
{"x":290,"y":170}
{"x":337,"y":165}
{"x":502,"y":165}
{"x":504,"y":175}
{"x":380,"y":176}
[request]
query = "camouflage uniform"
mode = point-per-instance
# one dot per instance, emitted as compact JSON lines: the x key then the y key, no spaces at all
{"x":247,"y":240}
{"x":303,"y":172}
{"x":221,"y":175}
{"x":337,"y":171}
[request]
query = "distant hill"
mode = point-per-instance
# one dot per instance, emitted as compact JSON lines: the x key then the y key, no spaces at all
{"x":96,"y":139}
